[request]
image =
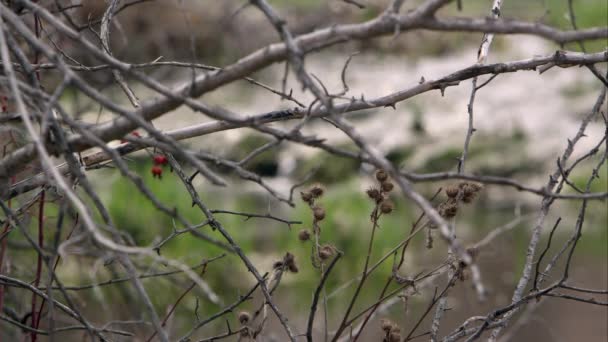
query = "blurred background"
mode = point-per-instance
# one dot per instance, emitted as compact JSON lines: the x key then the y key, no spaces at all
{"x":522,"y":120}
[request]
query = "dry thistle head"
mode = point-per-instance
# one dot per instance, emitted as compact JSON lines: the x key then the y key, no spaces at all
{"x":387,"y":206}
{"x":470,"y":191}
{"x":448,"y":209}
{"x":475,"y":187}
{"x":374,"y":194}
{"x":451,"y":191}
{"x":386,"y":325}
{"x":306,"y":196}
{"x":290,"y":262}
{"x":381,"y":175}
{"x":391,"y":330}
{"x":317,"y":191}
{"x":318,"y":213}
{"x":326,"y":251}
{"x":244,"y":317}
{"x":387,"y":186}
{"x":304,"y":235}
{"x":293,"y":268}
{"x":245,"y":332}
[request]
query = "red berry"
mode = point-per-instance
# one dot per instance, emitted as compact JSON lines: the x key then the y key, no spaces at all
{"x":134,"y":133}
{"x":159,"y":159}
{"x":157,"y":171}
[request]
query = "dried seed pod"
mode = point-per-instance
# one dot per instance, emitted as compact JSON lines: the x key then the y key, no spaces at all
{"x":470,"y":191}
{"x":244,"y":317}
{"x":290,"y":262}
{"x":381,"y":175}
{"x":326,"y":251}
{"x":374,"y":194}
{"x":448,"y":209}
{"x":475,"y":187}
{"x":293,"y":268}
{"x":318,"y":213}
{"x":451,"y":191}
{"x":317,"y":191}
{"x":386,"y":325}
{"x":387,"y":206}
{"x":306,"y":196}
{"x":387,"y":186}
{"x":288,"y":257}
{"x":304,"y":235}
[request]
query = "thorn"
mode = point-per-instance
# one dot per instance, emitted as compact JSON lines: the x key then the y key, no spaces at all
{"x":392,"y":105}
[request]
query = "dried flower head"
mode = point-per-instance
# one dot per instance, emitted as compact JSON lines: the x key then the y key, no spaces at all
{"x":391,"y":330}
{"x":386,"y":325}
{"x":326,"y":251}
{"x":318,"y":213}
{"x":374,"y":194}
{"x":288,"y":257}
{"x":304,"y":235}
{"x":470,"y":191}
{"x":244,"y":317}
{"x":475,"y":187}
{"x":306,"y":196}
{"x":381,"y":175}
{"x":448,"y":209}
{"x":451,"y":191}
{"x":290,"y":262}
{"x":293,"y":268}
{"x":317,"y":190}
{"x":387,"y":206}
{"x":469,"y":196}
{"x":387,"y":186}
